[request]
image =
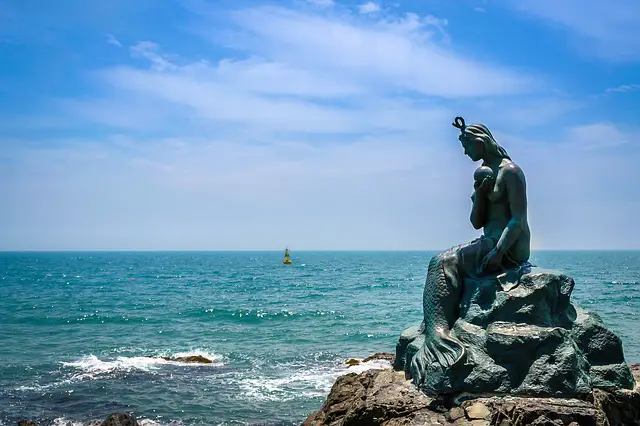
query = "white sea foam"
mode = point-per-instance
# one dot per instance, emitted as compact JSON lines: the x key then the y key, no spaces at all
{"x":381,"y":364}
{"x":91,"y":367}
{"x":61,"y":421}
{"x":301,"y":382}
{"x":216,"y":358}
{"x":149,"y":422}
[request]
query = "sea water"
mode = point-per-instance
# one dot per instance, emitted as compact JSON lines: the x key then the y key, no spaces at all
{"x":81,"y":333}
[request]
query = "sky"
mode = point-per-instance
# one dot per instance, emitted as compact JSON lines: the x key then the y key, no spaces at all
{"x":313,"y":124}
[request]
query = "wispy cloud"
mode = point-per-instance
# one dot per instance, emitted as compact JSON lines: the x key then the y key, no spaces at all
{"x":606,"y":29}
{"x":365,"y":76}
{"x":625,"y":88}
{"x":322,"y":3}
{"x":369,"y":7}
{"x":338,"y":120}
{"x":394,"y":52}
{"x":597,"y":135}
{"x":112,"y":40}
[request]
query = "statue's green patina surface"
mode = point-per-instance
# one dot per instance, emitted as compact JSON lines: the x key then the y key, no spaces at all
{"x":500,"y":209}
{"x":492,"y":322}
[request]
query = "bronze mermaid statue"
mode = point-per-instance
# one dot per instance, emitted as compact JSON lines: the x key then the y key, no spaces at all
{"x":500,"y":209}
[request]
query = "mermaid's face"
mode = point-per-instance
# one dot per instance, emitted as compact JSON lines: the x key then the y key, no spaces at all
{"x":473,"y":148}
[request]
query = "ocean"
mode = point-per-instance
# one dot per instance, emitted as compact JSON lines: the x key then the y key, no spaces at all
{"x":79,"y":331}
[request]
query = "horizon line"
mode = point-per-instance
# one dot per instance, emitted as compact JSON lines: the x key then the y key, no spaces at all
{"x":277,"y":250}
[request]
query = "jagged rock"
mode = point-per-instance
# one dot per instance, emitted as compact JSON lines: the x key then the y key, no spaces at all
{"x":603,"y":350}
{"x":540,"y":411}
{"x":477,"y":411}
{"x":374,"y":397}
{"x":621,"y":406}
{"x":386,"y":398}
{"x":523,"y":336}
{"x":194,"y":358}
{"x":380,"y":355}
{"x":114,"y":419}
{"x":120,"y":419}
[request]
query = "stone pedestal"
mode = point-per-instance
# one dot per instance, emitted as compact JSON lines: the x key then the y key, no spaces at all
{"x":523,"y":336}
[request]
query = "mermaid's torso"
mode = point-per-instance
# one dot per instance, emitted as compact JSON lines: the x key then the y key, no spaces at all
{"x":499,"y":215}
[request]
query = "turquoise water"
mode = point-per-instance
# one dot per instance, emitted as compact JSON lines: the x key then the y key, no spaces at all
{"x":78,"y":328}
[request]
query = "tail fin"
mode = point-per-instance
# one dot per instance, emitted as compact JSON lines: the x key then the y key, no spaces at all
{"x":431,"y":363}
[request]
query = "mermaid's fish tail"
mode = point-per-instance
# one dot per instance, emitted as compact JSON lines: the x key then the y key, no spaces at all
{"x":440,"y":350}
{"x":437,"y":355}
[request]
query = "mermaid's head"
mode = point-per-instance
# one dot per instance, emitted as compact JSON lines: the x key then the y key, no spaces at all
{"x":478,"y":142}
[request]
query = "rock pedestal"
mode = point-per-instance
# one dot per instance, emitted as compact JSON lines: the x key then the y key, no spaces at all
{"x":386,"y":398}
{"x":523,"y":336}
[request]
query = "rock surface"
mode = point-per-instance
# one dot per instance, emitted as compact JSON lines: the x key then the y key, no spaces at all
{"x":120,"y":419}
{"x":114,"y":419}
{"x":194,"y":358}
{"x":379,"y":355}
{"x":197,"y":359}
{"x":386,"y":398}
{"x":523,"y":336}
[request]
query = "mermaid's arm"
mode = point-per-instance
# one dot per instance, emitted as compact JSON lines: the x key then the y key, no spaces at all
{"x":479,"y":209}
{"x":516,"y":193}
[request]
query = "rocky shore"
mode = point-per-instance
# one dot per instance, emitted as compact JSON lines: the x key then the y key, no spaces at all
{"x":115,"y":419}
{"x":384,"y":397}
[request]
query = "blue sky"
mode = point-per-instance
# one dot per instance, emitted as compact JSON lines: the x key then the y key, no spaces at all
{"x":317,"y":124}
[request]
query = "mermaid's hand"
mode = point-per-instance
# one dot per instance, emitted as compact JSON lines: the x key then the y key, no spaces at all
{"x":484,"y":186}
{"x":492,"y":261}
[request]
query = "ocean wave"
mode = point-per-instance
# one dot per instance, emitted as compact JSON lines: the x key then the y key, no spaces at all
{"x":260,"y":315}
{"x":62,"y":421}
{"x":306,"y":382}
{"x":90,"y":367}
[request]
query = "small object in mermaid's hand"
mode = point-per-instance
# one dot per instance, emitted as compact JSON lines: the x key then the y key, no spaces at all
{"x":482,"y":173}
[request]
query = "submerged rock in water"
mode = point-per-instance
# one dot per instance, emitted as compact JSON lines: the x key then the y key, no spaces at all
{"x":197,"y":359}
{"x":120,"y":419}
{"x":527,"y":338}
{"x":114,"y":419}
{"x":386,"y":398}
{"x":379,"y":355}
{"x":194,"y":358}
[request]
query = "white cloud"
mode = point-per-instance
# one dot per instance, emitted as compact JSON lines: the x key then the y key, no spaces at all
{"x":195,"y":193}
{"x":523,"y":112}
{"x":198,"y":194}
{"x":112,"y":40}
{"x":625,"y":88}
{"x":338,"y":122}
{"x":149,"y":50}
{"x":363,"y":77}
{"x":322,"y":3}
{"x":597,"y":136}
{"x":607,"y":29}
{"x":480,"y":9}
{"x":390,"y":54}
{"x":369,"y":7}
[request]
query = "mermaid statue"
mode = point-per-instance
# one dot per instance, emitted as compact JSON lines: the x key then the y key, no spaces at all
{"x":500,"y":209}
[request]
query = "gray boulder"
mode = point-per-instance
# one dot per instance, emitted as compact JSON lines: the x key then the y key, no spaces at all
{"x":524,"y":336}
{"x":386,"y":398}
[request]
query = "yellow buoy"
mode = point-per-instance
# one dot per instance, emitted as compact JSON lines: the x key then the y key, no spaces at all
{"x":287,"y":259}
